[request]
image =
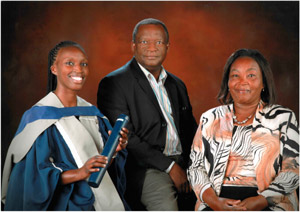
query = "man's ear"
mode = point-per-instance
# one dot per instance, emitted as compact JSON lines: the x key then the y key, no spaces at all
{"x":168,"y":46}
{"x":133,"y":46}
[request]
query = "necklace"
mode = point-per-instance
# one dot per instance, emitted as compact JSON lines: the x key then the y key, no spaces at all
{"x":241,"y":122}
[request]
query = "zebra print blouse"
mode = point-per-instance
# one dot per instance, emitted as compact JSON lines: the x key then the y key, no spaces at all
{"x":240,"y":169}
{"x":275,"y":140}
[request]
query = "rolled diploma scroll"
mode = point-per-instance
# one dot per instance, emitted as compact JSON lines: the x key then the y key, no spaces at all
{"x":109,"y":149}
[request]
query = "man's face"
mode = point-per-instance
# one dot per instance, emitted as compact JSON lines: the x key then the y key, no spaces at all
{"x":150,"y":47}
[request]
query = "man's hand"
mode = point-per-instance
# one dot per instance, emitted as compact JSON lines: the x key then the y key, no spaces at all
{"x":179,"y":178}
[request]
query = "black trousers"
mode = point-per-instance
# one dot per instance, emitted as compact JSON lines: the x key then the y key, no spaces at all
{"x":238,"y":193}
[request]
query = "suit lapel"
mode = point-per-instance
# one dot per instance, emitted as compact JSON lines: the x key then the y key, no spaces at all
{"x":173,"y":97}
{"x":146,"y":87}
{"x":144,"y":84}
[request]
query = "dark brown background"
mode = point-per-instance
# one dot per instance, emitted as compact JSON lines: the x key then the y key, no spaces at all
{"x":202,"y":36}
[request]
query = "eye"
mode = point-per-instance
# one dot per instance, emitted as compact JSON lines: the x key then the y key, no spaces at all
{"x":234,"y":75}
{"x":69,"y":63}
{"x":159,"y":42}
{"x":251,"y":75}
{"x":84,"y":64}
{"x":144,"y":42}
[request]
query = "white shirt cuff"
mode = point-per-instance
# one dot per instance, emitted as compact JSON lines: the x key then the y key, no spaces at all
{"x":170,"y":167}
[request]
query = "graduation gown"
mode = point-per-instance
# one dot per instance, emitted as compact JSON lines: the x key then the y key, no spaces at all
{"x":52,"y":139}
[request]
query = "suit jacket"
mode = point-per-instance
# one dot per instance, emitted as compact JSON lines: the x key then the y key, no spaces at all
{"x":127,"y":90}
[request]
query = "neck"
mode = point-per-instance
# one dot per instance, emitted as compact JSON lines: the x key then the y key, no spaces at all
{"x":244,"y":109}
{"x":156,"y":74}
{"x":244,"y":113}
{"x":68,"y":99}
{"x":155,"y":71}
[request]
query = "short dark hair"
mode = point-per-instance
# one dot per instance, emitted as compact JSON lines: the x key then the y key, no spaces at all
{"x":149,"y":21}
{"x":268,"y":94}
{"x":52,"y":80}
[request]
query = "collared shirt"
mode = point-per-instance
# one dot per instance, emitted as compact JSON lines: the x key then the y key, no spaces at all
{"x":173,"y":145}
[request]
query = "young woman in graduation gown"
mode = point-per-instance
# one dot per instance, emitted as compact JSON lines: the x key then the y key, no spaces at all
{"x":58,"y":145}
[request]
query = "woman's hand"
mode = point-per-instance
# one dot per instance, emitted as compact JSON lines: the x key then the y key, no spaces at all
{"x":221,"y":204}
{"x":90,"y":166}
{"x":225,"y":204}
{"x":123,"y":140}
{"x":256,"y":203}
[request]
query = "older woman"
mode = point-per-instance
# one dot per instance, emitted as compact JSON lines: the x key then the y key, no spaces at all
{"x":245,"y":154}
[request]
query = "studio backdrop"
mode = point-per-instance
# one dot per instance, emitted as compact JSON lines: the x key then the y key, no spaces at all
{"x":202,"y":36}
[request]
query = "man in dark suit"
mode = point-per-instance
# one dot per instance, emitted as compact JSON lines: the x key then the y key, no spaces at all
{"x":161,"y":125}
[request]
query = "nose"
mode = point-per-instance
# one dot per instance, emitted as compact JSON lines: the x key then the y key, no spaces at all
{"x":78,"y":68}
{"x":151,"y":46}
{"x":243,"y":80}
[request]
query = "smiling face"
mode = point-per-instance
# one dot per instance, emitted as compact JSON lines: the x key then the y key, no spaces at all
{"x":71,"y":69}
{"x":150,"y":47}
{"x":245,"y":81}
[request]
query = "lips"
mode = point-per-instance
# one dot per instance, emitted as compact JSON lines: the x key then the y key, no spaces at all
{"x":151,"y":57}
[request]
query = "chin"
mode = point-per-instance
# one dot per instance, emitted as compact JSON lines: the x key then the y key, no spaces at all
{"x":77,"y":88}
{"x":241,"y":101}
{"x":151,"y":63}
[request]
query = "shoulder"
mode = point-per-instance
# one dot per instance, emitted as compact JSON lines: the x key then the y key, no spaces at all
{"x":217,"y":112}
{"x":49,"y":100}
{"x":122,"y":72}
{"x":82,"y":102}
{"x":122,"y":79}
{"x":218,"y":118}
{"x":276,"y":107}
{"x":176,"y":80}
{"x":278,"y":112}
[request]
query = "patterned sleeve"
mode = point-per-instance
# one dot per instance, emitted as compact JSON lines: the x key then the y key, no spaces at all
{"x":287,"y":180}
{"x":197,"y":174}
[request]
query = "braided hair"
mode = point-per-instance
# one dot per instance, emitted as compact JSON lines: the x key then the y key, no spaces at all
{"x":52,"y":80}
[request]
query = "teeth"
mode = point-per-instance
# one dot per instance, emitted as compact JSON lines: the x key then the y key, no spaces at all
{"x":244,"y":91}
{"x":77,"y":78}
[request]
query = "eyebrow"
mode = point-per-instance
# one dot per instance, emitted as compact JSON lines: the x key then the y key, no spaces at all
{"x":72,"y":58}
{"x":250,"y":69}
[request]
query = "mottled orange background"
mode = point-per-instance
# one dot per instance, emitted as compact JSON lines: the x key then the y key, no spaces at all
{"x":202,"y":36}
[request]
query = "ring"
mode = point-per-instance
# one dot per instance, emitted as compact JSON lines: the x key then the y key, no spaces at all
{"x":126,"y":142}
